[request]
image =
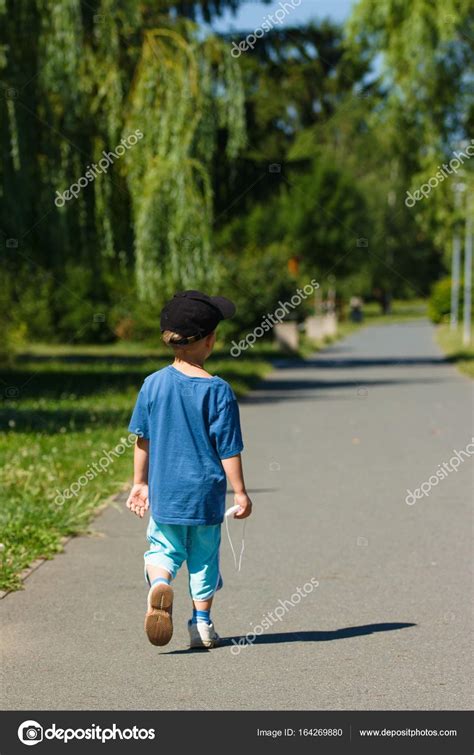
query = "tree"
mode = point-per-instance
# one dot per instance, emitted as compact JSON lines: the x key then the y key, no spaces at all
{"x":293,"y":79}
{"x":427,"y":51}
{"x":79,"y":81}
{"x":428,"y":113}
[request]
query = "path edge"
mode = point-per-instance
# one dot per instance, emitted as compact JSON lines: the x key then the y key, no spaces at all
{"x":23,"y":576}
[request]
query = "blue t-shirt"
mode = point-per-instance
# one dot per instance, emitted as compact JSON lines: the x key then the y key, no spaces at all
{"x":192,"y":423}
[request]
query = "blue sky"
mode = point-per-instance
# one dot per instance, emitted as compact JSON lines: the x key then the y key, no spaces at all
{"x":252,"y":13}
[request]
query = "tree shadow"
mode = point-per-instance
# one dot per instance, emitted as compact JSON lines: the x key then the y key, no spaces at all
{"x":303,"y":636}
{"x":296,"y":389}
{"x":51,"y":421}
{"x":69,"y":377}
{"x":324,"y":362}
{"x":349,"y":363}
{"x":62,"y":383}
{"x":460,"y":356}
{"x":90,"y":359}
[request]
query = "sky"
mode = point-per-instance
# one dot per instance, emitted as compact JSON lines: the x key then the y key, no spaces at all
{"x":252,"y":13}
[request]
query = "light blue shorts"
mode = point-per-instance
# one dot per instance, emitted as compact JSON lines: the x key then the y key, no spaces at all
{"x":198,"y":545}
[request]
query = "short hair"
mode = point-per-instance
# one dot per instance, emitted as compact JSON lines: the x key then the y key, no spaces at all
{"x":170,"y":338}
{"x":178,"y":341}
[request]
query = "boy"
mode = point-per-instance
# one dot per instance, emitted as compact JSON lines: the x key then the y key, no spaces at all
{"x":189,"y":440}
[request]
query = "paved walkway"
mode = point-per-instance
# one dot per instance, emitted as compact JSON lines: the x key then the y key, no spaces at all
{"x":331,"y":448}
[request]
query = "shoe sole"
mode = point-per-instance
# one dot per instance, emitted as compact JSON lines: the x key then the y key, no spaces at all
{"x":158,"y":621}
{"x":204,"y":645}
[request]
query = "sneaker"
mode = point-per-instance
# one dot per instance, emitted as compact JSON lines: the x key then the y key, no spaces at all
{"x":158,"y":621}
{"x":202,"y":635}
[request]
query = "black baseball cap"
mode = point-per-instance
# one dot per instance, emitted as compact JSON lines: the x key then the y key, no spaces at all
{"x":193,"y":315}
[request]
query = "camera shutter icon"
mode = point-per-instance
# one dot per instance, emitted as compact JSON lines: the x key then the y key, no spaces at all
{"x":30,"y":732}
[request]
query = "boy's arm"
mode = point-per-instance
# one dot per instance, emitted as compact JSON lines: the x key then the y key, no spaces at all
{"x":138,"y":498}
{"x":235,"y":475}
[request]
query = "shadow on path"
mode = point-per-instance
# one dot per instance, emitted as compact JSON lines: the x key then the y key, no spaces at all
{"x":296,"y":389}
{"x":305,"y":636}
{"x":325,"y":361}
{"x":351,"y":363}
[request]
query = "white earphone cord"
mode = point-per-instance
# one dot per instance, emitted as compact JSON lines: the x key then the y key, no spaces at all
{"x":239,"y":566}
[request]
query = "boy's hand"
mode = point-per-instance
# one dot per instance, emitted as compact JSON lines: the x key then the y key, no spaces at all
{"x":242,"y":500}
{"x":138,"y":499}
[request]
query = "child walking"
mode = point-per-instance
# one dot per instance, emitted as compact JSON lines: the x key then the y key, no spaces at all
{"x":189,"y":440}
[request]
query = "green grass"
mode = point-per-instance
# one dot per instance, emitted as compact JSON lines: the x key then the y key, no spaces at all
{"x":401,"y":311}
{"x":63,"y":408}
{"x":452,"y":345}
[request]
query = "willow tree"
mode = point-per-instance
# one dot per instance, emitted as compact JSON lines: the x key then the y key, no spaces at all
{"x":184,"y":90}
{"x":77,"y":78}
{"x":427,"y":48}
{"x":427,"y":51}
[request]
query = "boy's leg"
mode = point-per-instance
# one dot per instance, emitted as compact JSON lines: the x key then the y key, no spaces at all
{"x":204,"y":580}
{"x":167,"y":551}
{"x":202,"y":611}
{"x":203,"y":605}
{"x":162,"y":561}
{"x":157,"y":572}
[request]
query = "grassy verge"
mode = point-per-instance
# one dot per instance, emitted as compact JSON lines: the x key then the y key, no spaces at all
{"x":64,"y":410}
{"x":452,"y":345}
{"x":401,"y":311}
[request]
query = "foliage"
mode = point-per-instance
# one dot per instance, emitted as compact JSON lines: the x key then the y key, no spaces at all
{"x":24,"y":313}
{"x":324,"y":214}
{"x":427,"y":50}
{"x":302,"y":147}
{"x":426,"y":61}
{"x":461,"y":354}
{"x":79,"y":82}
{"x":439,"y":305}
{"x":255,"y":279}
{"x":170,"y":188}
